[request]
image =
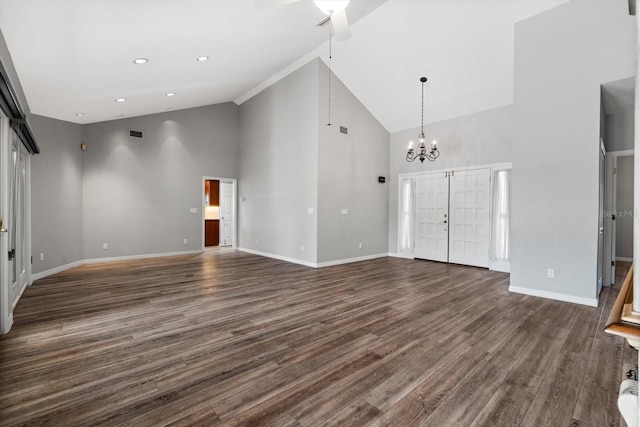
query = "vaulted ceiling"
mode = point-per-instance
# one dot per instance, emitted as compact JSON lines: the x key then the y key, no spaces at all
{"x":77,"y":56}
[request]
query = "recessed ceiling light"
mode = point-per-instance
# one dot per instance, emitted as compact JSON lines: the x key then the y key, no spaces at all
{"x":140,"y":61}
{"x":79,"y":114}
{"x":170,"y":94}
{"x":202,"y":58}
{"x":121,"y":99}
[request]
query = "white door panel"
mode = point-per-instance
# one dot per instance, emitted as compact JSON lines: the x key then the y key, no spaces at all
{"x":470,"y":219}
{"x":432,"y":205}
{"x":226,"y":214}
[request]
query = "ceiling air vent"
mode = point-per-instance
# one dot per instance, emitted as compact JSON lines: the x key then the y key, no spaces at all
{"x":135,"y":134}
{"x":343,"y":130}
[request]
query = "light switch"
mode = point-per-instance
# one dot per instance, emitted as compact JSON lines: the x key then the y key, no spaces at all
{"x":194,"y":210}
{"x":344,"y":211}
{"x":310,"y":211}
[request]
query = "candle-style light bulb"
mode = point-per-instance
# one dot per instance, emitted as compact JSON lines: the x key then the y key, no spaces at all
{"x":434,"y":144}
{"x":410,"y":145}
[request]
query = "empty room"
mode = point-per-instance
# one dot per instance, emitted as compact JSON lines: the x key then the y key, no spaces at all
{"x":309,"y":213}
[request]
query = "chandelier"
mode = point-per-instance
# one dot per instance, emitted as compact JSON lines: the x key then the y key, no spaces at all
{"x":422,"y":152}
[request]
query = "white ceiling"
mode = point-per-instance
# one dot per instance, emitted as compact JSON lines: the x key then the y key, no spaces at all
{"x":76,"y":56}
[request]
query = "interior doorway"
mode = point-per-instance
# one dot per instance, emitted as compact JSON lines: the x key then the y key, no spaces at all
{"x":218,"y":212}
{"x":617,"y":128}
{"x":624,"y":187}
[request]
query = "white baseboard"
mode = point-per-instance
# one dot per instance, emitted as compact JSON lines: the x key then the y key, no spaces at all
{"x":619,"y":258}
{"x":144,"y":256}
{"x":350,"y":260}
{"x":502,"y":266}
{"x":398,"y":255}
{"x":313,"y":264}
{"x":592,"y":302}
{"x":278,"y":257}
{"x":55,"y":270}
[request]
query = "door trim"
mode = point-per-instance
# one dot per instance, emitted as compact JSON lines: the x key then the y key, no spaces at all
{"x":6,"y":318}
{"x":234,"y":231}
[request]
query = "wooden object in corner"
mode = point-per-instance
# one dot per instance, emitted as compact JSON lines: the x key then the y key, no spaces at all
{"x":211,"y":232}
{"x":622,"y":321}
{"x":212,"y":192}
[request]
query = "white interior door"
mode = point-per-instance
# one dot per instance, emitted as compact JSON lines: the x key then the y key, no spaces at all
{"x":17,"y":221}
{"x":432,"y":209}
{"x":226,"y":214}
{"x":15,"y":266}
{"x":600,"y":267}
{"x":6,"y":318}
{"x":470,"y":217}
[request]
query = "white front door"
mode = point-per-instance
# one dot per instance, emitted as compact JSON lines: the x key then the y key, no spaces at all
{"x":226,"y":214}
{"x":432,"y":207}
{"x":470,"y":217}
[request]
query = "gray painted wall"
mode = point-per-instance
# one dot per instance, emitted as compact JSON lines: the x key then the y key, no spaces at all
{"x":560,"y":62}
{"x":279,"y":167}
{"x":619,"y":131}
{"x":56,"y":194}
{"x":348,"y":170}
{"x":624,"y":207}
{"x":137,"y":194}
{"x":476,"y":139}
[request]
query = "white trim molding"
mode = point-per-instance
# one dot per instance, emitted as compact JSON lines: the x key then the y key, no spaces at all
{"x":591,"y":302}
{"x":314,"y":264}
{"x":55,"y":270}
{"x":144,"y":256}
{"x":619,"y":258}
{"x":61,"y":268}
{"x":350,"y":260}
{"x":279,"y":257}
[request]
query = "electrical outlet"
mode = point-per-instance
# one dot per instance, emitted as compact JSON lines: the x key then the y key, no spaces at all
{"x":360,"y":245}
{"x":105,"y":246}
{"x":184,"y":241}
{"x":301,"y":248}
{"x":256,"y":241}
{"x":551,"y":273}
{"x":194,"y":210}
{"x":344,"y":211}
{"x":41,"y":256}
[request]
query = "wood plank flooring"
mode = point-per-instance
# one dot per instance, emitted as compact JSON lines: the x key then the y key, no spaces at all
{"x":228,"y":338}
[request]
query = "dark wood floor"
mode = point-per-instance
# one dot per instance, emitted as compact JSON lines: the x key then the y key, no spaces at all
{"x":236,"y":339}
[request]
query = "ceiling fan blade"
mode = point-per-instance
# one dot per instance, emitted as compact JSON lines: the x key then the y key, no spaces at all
{"x":341,"y":26}
{"x":268,"y":4}
{"x":323,"y":22}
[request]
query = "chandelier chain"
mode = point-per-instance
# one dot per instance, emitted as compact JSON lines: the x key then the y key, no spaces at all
{"x":422,"y":152}
{"x":330,"y":56}
{"x":422,"y":116}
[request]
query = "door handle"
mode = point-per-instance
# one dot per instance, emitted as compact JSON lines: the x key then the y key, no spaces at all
{"x":2,"y":229}
{"x":444,"y":222}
